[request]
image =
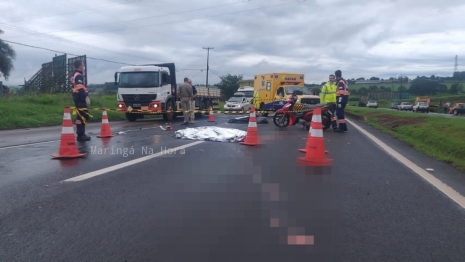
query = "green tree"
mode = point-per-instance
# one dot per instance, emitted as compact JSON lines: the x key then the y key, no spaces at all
{"x":7,"y":55}
{"x":456,"y":88}
{"x":402,"y":89}
{"x":229,"y":84}
{"x":362,"y":91}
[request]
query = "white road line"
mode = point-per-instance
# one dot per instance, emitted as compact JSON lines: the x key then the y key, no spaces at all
{"x":30,"y":144}
{"x":126,"y":164}
{"x":444,"y":188}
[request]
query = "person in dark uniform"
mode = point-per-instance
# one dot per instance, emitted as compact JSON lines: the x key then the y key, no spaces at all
{"x":81,"y":101}
{"x":192,"y":102}
{"x":342,"y":97}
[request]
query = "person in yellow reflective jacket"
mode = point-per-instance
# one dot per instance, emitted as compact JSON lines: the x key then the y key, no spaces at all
{"x":256,"y":100}
{"x":328,"y":96}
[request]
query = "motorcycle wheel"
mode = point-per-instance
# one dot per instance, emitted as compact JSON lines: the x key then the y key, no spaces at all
{"x":281,"y":120}
{"x":326,"y":122}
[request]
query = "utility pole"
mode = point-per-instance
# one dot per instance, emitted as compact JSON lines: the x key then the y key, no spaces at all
{"x":208,"y":58}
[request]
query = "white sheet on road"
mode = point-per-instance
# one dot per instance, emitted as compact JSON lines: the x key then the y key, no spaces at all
{"x":212,"y":133}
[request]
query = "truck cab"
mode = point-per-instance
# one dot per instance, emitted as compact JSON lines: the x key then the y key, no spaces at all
{"x":146,"y":89}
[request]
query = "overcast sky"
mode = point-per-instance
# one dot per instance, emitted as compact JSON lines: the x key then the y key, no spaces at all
{"x":363,"y":38}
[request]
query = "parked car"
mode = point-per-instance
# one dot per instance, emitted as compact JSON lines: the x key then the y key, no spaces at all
{"x":405,"y":106}
{"x":421,"y":106}
{"x":457,"y":109}
{"x":361,"y":103}
{"x":394,"y":105}
{"x":372,"y":103}
{"x":238,"y":102}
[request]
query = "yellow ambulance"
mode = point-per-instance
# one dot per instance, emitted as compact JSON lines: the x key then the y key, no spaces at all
{"x":272,"y":90}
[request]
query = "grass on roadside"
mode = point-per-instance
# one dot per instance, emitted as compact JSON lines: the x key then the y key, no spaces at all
{"x":437,"y":136}
{"x":42,"y":110}
{"x":47,"y":110}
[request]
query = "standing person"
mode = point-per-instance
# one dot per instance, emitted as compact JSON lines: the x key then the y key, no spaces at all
{"x":328,"y":96}
{"x":342,"y":97}
{"x":81,"y":101}
{"x":446,"y":107}
{"x":185,"y":95}
{"x":192,"y":102}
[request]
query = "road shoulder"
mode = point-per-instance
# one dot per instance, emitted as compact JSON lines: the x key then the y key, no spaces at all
{"x":441,"y":170}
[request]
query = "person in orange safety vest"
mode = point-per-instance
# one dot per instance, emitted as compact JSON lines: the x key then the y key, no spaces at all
{"x":342,"y":98}
{"x":81,"y":101}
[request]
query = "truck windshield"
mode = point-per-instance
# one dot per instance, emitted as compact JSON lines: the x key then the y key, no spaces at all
{"x":305,"y":89}
{"x":236,"y":99}
{"x":139,"y":79}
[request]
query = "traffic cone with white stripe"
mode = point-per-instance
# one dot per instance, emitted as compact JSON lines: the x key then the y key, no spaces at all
{"x":211,"y":118}
{"x":316,"y":118}
{"x":68,"y":146}
{"x":251,"y":139}
{"x":105,"y":127}
{"x":315,"y":147}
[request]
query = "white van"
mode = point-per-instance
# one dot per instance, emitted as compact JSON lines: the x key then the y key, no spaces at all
{"x":238,"y":102}
{"x":248,"y":92}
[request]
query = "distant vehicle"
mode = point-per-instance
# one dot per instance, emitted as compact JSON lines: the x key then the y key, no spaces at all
{"x":362,"y":104}
{"x":238,"y":102}
{"x":248,"y":92}
{"x":421,"y":106}
{"x":405,"y":106}
{"x":394,"y":105}
{"x":372,"y":103}
{"x":457,"y":109}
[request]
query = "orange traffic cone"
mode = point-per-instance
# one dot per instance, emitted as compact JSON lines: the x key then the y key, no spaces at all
{"x":251,"y":139}
{"x":316,"y":118}
{"x":315,"y":148}
{"x":211,"y":118}
{"x":68,"y":147}
{"x":105,"y":127}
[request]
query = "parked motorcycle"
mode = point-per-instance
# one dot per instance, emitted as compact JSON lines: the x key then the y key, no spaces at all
{"x":286,"y":115}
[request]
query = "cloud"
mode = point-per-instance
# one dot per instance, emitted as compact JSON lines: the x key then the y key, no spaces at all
{"x":362,"y":38}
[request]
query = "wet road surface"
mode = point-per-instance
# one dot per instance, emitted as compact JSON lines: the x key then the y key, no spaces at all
{"x":214,"y":201}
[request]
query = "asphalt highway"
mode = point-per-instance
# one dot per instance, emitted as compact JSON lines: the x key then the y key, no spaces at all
{"x":187,"y":200}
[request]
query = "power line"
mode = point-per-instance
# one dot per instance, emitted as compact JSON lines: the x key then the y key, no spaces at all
{"x":67,"y":13}
{"x":132,"y":20}
{"x":43,"y":48}
{"x":74,"y":4}
{"x":87,"y":57}
{"x":191,"y":19}
{"x":70,"y":41}
{"x":82,"y":44}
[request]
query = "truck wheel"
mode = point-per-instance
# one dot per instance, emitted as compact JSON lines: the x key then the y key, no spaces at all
{"x":456,"y":113}
{"x":131,"y":117}
{"x":262,"y":108}
{"x":172,"y":115}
